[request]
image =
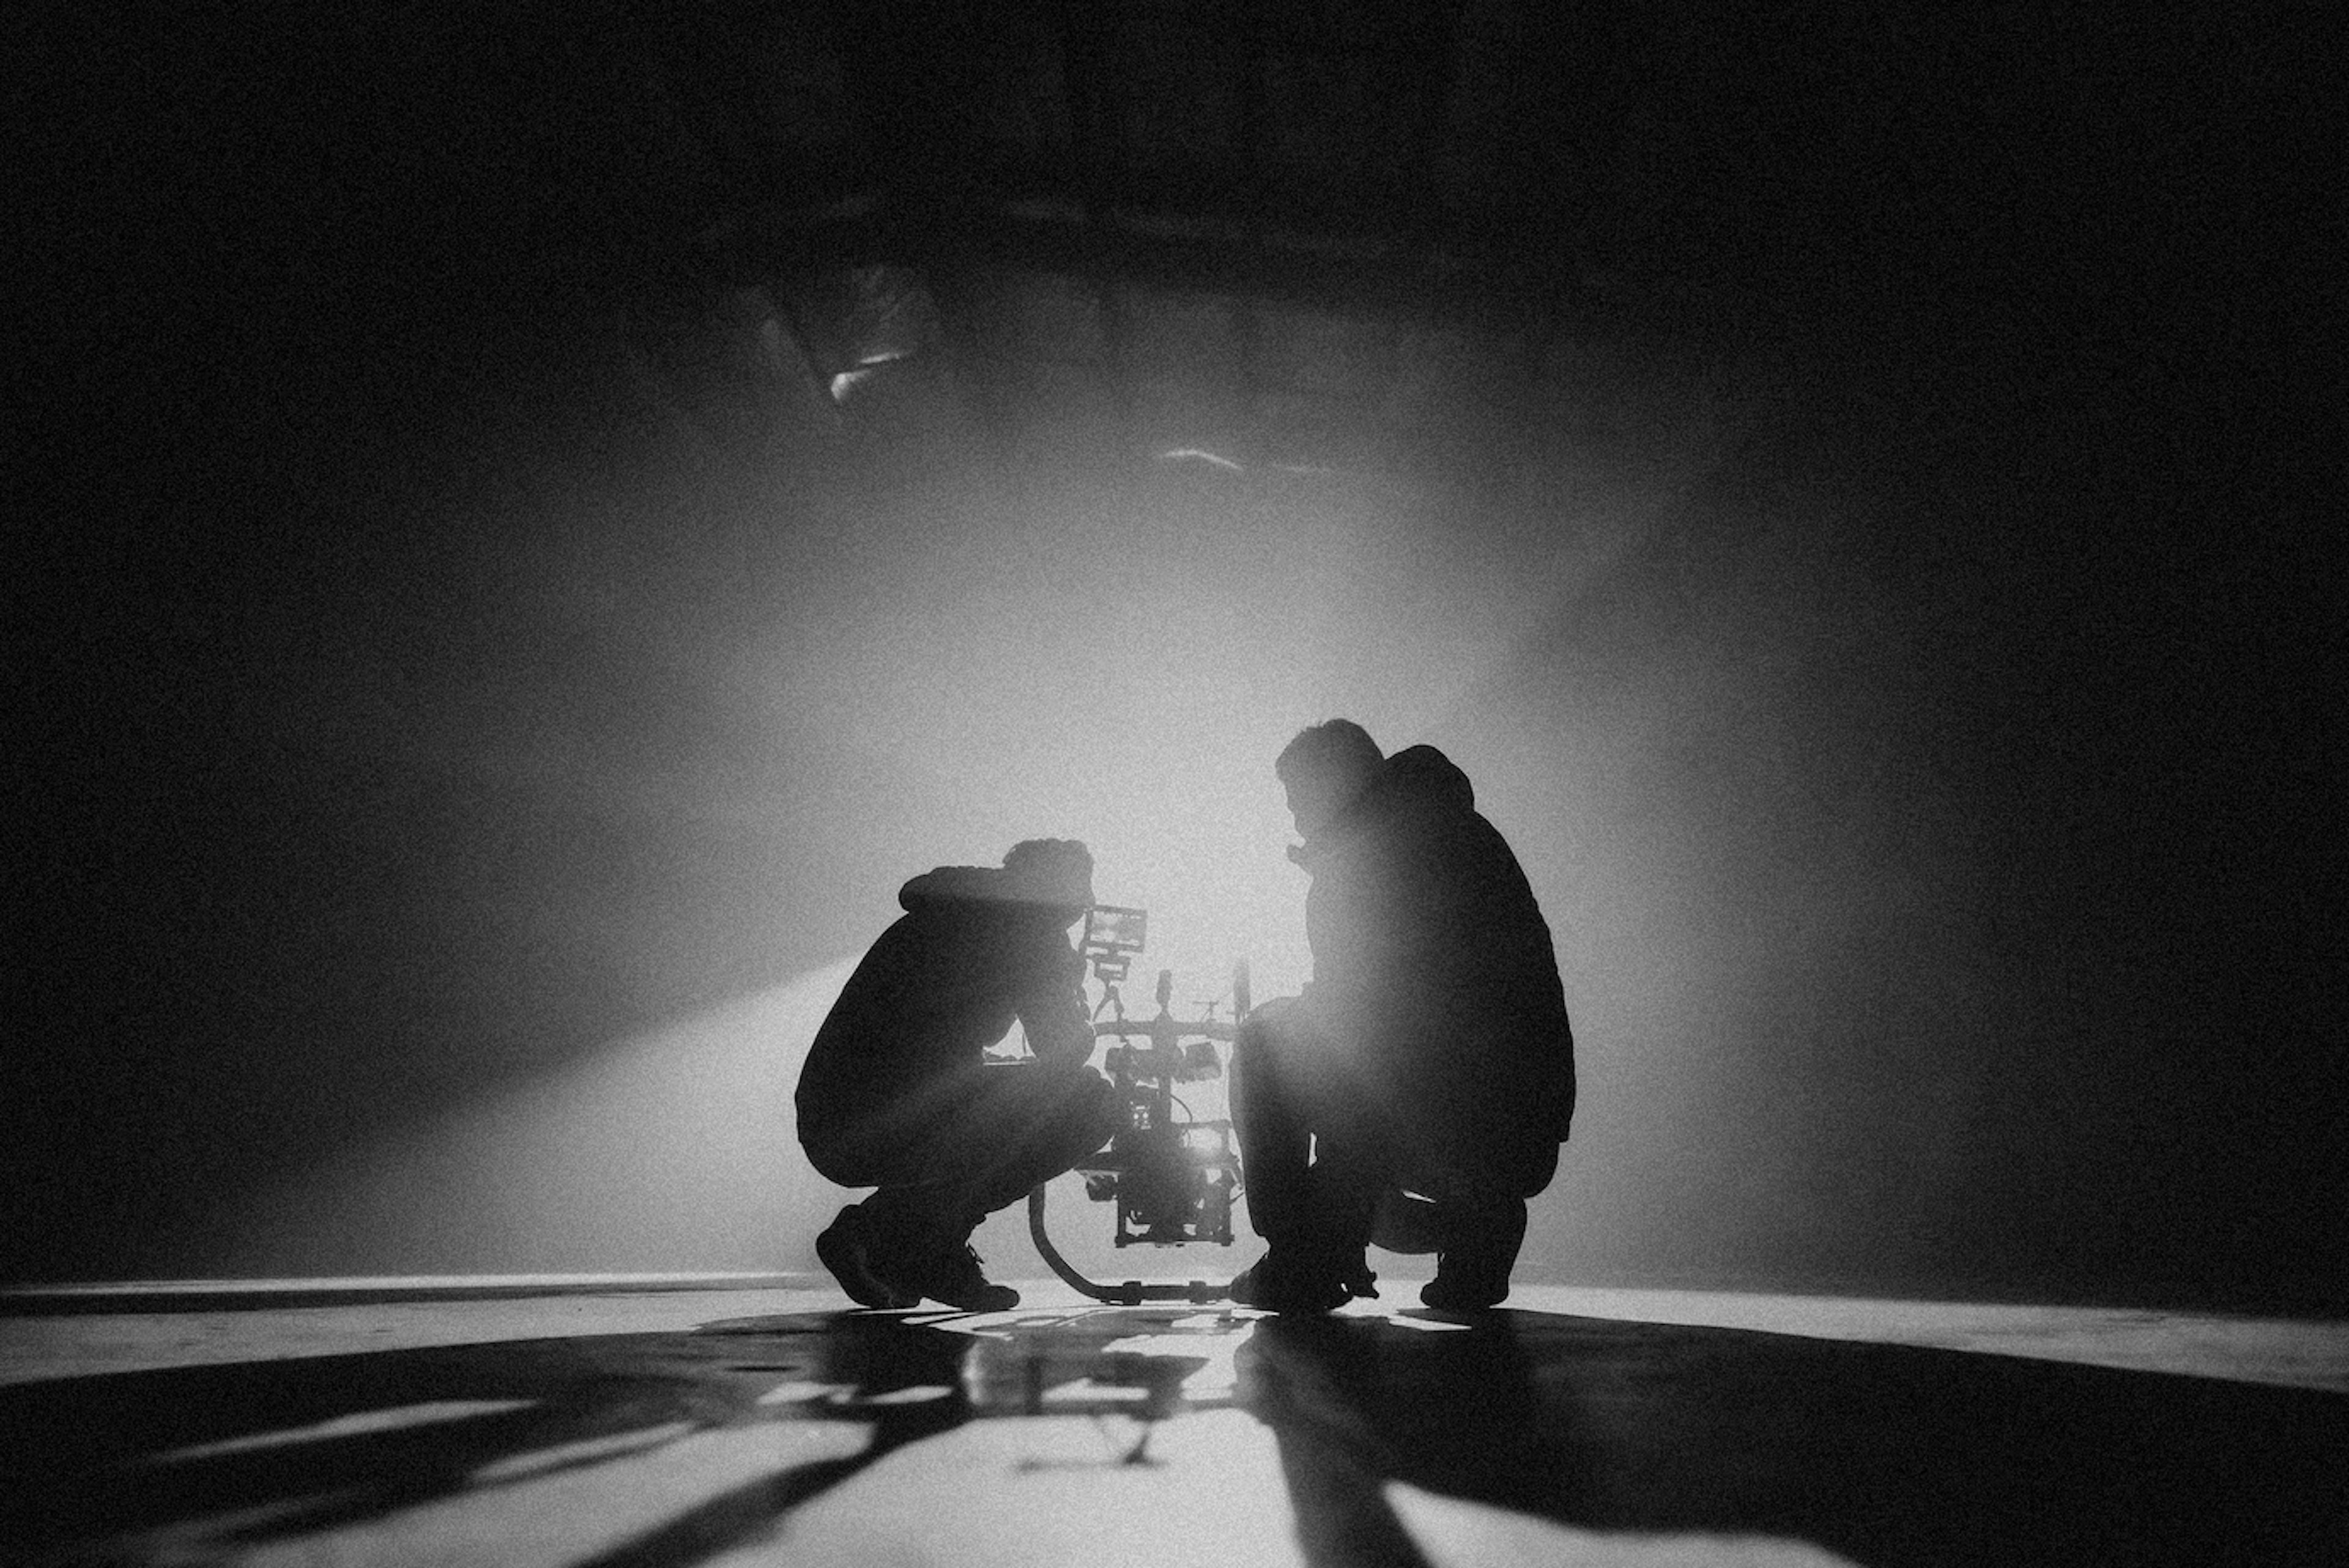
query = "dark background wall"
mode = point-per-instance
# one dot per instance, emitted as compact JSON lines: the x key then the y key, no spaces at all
{"x":1865,"y":536}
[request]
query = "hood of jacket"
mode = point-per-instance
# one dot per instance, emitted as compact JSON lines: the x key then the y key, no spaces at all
{"x":1417,"y":776}
{"x":951,"y":887}
{"x":1420,"y":774}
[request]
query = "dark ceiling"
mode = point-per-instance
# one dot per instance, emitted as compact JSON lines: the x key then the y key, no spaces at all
{"x":1299,"y":232}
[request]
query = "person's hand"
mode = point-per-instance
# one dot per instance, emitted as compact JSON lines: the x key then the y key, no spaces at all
{"x":1067,"y":1041}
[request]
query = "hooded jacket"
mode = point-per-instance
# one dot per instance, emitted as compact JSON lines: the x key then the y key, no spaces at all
{"x":973,"y":953}
{"x":1434,"y":967}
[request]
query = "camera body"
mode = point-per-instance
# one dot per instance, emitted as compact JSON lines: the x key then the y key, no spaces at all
{"x":1171,"y":1175}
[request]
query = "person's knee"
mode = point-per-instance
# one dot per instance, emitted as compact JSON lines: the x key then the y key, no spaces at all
{"x":1277,"y":1028}
{"x":1071,"y":1105}
{"x":1275,"y":1012}
{"x":1278,"y":1053}
{"x":1095,"y":1109}
{"x":1073,"y":1085}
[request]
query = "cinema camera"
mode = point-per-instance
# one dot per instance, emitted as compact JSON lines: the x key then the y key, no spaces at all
{"x":1170,"y":1176}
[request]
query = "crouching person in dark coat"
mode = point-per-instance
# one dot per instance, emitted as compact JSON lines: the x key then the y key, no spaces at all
{"x":1416,"y":1094}
{"x":897,"y":1094}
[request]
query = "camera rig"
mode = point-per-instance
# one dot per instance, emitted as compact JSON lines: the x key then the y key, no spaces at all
{"x":1170,"y":1176}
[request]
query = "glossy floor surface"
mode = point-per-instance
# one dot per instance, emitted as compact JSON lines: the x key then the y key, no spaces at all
{"x":656,"y":1423}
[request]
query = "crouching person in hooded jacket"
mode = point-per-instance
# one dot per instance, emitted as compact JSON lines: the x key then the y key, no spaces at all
{"x":897,"y":1094}
{"x":1415,"y":1096}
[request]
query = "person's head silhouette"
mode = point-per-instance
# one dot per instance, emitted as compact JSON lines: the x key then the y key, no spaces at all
{"x":1052,"y":873}
{"x":1325,"y":767}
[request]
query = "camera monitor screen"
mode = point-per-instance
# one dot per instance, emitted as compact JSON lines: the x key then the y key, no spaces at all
{"x":1109,"y":929}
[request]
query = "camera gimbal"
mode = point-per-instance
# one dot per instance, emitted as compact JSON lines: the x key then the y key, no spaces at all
{"x":1170,"y":1176}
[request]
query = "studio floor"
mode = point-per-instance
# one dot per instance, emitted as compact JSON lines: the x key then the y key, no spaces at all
{"x":644,"y":1423}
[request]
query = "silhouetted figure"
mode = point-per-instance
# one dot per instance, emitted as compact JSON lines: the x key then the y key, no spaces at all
{"x":1417,"y":1093}
{"x":897,"y":1094}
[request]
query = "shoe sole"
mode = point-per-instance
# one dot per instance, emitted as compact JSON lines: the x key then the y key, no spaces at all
{"x":989,"y":1297}
{"x":1441,"y":1299}
{"x":1478,"y":1306}
{"x":1009,"y":1299}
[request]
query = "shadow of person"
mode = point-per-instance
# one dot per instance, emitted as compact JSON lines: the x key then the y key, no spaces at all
{"x":1564,"y":1427}
{"x":1356,"y":1403}
{"x":268,"y":1449}
{"x":1574,"y":1429}
{"x":197,"y":1457}
{"x":904,"y":1380}
{"x":197,"y":1461}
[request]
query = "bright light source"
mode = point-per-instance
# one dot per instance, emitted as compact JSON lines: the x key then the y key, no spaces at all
{"x":1121,"y":665}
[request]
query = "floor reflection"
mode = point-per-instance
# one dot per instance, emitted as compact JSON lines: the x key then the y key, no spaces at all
{"x":1386,"y":1431}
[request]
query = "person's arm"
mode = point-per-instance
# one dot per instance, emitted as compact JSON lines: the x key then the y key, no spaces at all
{"x":1052,"y":1011}
{"x":1379,"y":928}
{"x":1061,"y":1032}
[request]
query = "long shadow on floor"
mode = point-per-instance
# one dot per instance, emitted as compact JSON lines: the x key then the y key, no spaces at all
{"x":155,"y":1464}
{"x":1882,"y":1454}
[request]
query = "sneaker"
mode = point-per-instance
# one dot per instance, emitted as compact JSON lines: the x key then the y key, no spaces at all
{"x":1456,"y":1289}
{"x":1472,"y":1274}
{"x":845,"y":1248}
{"x":1275,"y":1283}
{"x":953,"y":1276}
